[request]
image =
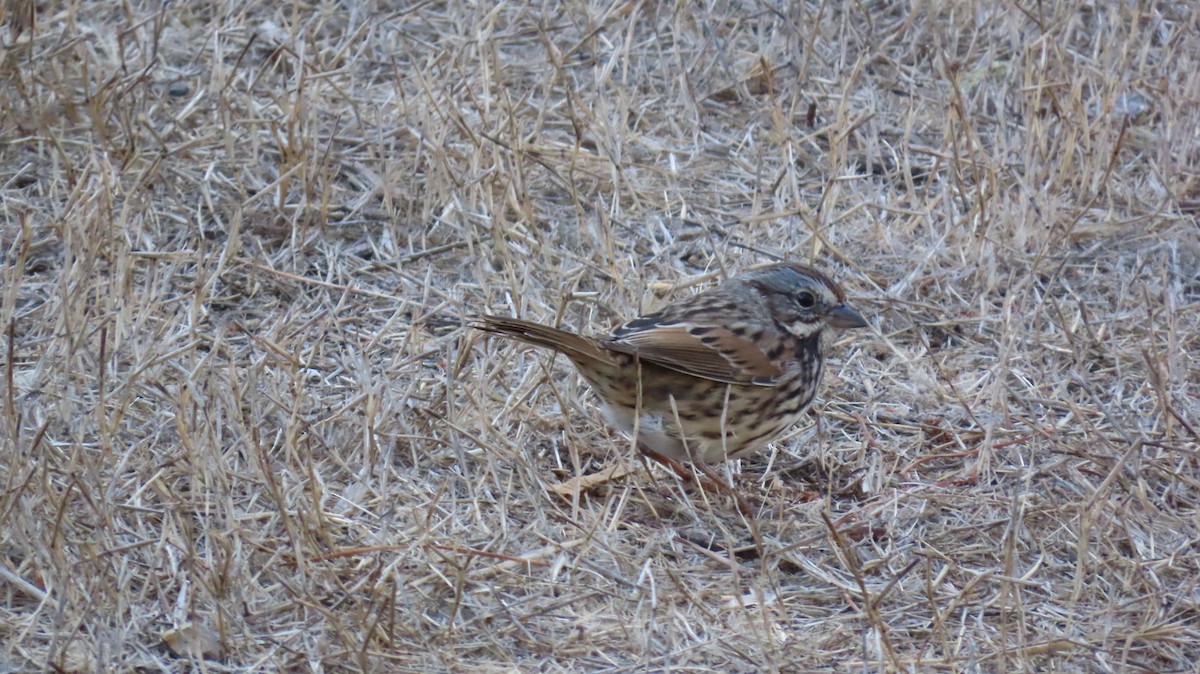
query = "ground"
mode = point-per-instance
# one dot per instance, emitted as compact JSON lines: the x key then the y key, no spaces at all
{"x":246,"y":426}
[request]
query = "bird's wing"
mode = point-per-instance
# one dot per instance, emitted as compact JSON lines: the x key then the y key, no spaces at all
{"x":729,"y":353}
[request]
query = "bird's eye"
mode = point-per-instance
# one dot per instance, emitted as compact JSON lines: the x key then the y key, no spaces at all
{"x":806,"y":300}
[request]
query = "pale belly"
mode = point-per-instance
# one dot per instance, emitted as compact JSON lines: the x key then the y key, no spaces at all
{"x":734,"y":420}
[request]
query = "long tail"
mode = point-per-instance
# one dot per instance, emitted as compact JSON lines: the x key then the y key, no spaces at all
{"x":576,"y":347}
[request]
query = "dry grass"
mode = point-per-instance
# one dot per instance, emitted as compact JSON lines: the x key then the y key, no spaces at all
{"x":240,"y":410}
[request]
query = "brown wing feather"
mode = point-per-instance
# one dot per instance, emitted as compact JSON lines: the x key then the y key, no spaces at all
{"x":724,"y":354}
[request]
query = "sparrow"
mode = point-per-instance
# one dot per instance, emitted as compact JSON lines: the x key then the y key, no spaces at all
{"x":714,"y":375}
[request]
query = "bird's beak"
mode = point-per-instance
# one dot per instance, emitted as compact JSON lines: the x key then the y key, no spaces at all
{"x":844,"y":316}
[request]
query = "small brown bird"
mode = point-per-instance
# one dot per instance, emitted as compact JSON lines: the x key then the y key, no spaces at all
{"x":714,"y":375}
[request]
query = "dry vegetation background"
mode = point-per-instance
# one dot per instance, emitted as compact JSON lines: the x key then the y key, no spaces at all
{"x":244,"y":428}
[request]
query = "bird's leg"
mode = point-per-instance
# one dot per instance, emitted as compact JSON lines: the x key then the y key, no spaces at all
{"x":675,"y":466}
{"x":707,"y":478}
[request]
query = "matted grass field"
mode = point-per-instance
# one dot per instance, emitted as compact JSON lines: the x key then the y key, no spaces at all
{"x":245,"y":426}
